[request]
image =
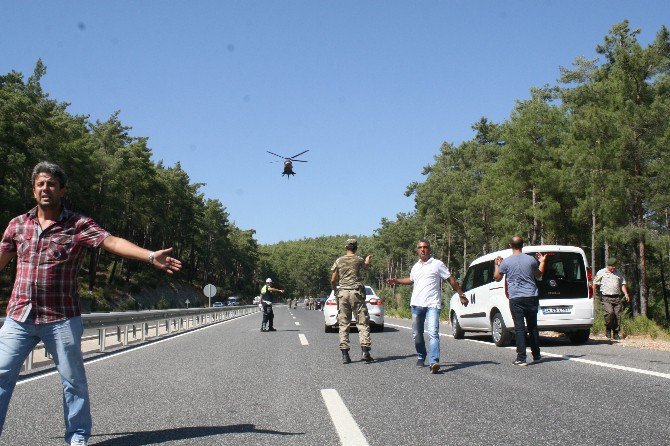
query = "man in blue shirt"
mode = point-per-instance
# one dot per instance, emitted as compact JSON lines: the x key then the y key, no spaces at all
{"x":521,"y":270}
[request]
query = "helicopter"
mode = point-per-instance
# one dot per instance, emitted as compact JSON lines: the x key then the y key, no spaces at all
{"x":288,"y":162}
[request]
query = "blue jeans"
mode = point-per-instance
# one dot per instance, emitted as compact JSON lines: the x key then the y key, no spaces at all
{"x":525,"y":308}
{"x":431,"y":315}
{"x":62,"y":340}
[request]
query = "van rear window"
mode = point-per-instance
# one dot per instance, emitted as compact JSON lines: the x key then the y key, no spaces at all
{"x":564,"y":277}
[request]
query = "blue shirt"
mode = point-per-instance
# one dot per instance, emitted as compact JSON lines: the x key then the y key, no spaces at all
{"x":519,"y":271}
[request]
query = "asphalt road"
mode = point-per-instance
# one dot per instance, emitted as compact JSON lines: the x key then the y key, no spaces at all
{"x":231,"y":384}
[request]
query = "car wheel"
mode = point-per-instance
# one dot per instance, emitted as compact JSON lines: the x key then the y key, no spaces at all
{"x":379,"y":328}
{"x":456,"y":329}
{"x":501,"y":336}
{"x":579,"y":336}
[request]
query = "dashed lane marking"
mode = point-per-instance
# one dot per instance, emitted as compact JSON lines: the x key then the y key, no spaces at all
{"x":303,"y":339}
{"x":297,"y":323}
{"x":345,"y":425}
{"x":567,"y":358}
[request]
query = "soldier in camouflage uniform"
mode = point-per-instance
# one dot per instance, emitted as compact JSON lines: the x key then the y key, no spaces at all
{"x":351,"y":299}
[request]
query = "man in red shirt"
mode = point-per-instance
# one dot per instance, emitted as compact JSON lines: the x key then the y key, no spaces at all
{"x":48,"y":242}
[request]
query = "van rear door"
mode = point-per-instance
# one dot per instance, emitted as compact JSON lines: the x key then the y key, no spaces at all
{"x":564,"y":277}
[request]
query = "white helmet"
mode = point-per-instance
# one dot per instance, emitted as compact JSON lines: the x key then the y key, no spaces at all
{"x":268,"y":280}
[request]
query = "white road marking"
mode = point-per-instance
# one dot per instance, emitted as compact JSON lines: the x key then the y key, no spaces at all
{"x":568,"y":358}
{"x":139,"y":347}
{"x":303,"y":339}
{"x":345,"y":425}
{"x":295,"y":317}
{"x":297,"y":323}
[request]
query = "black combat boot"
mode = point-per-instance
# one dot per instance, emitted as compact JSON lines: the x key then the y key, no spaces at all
{"x":366,"y":354}
{"x":345,"y":357}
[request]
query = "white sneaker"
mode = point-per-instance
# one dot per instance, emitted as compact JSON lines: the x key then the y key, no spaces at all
{"x":78,"y":442}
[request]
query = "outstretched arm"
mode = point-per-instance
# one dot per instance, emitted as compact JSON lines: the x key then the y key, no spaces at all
{"x":124,"y":248}
{"x":399,"y":280}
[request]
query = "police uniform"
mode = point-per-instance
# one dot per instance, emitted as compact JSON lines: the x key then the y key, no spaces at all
{"x":611,"y":283}
{"x":266,"y":305}
{"x":351,"y":300}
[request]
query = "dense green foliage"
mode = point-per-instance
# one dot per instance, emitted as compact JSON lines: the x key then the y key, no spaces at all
{"x":114,"y":180}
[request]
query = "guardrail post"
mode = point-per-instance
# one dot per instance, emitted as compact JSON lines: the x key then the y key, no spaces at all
{"x":28,"y":364}
{"x":167,"y":326}
{"x":102,"y":335}
{"x":142,"y":327}
{"x":118,"y":333}
{"x":158,"y":324}
{"x":134,"y":332}
{"x":125,"y":336}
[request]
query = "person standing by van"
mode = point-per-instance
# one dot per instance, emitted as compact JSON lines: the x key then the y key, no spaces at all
{"x":266,"y":305}
{"x":521,"y":270}
{"x":611,"y":284}
{"x":427,"y":275}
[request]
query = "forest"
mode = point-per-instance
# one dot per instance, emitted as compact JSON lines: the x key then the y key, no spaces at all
{"x":584,"y":162}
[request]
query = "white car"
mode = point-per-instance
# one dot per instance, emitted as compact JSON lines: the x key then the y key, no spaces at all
{"x":566,"y":300}
{"x":375,"y":310}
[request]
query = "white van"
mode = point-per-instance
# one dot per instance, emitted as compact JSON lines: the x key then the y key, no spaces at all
{"x":566,"y":300}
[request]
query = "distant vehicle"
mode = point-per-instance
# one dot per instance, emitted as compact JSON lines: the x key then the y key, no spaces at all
{"x":566,"y":300}
{"x":217,"y":305}
{"x":320,"y":302}
{"x":375,"y":310}
{"x":233,"y":301}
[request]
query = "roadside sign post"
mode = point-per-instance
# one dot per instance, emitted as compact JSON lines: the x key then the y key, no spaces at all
{"x":209,"y":291}
{"x":187,"y":302}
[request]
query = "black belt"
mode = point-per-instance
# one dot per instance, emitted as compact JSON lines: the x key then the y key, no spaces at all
{"x":611,"y":295}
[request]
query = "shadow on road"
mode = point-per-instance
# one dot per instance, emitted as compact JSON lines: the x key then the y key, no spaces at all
{"x":392,"y":358}
{"x":182,"y":433}
{"x":450,"y":367}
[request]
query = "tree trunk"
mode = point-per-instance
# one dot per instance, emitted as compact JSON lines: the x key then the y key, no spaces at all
{"x":593,"y":241}
{"x":665,"y":293}
{"x":643,"y":277}
{"x":533,"y":240}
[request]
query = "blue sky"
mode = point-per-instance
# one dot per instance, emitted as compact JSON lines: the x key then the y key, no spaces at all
{"x":371,"y":88}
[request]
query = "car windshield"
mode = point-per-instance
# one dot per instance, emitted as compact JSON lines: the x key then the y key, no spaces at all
{"x":368,"y":291}
{"x":564,"y":277}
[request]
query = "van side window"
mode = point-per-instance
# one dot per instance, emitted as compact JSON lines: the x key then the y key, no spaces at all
{"x":483,"y":273}
{"x":468,"y":282}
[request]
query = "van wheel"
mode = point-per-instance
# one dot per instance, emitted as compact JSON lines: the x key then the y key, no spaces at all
{"x":501,"y":336}
{"x":579,"y":336}
{"x":327,"y":329}
{"x":456,"y":329}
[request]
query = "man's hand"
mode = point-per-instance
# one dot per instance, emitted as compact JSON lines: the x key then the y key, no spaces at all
{"x":464,"y":299}
{"x":498,"y":260}
{"x":166,"y":263}
{"x":391,"y":280}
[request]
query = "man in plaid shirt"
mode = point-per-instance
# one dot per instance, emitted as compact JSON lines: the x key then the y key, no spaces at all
{"x":49,"y":244}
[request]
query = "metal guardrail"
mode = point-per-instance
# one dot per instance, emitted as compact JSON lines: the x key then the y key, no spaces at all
{"x":130,"y":322}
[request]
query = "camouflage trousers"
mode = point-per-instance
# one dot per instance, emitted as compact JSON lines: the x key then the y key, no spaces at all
{"x":352,"y":303}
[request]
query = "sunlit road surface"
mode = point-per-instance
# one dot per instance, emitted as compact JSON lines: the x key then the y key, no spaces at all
{"x":233,"y":384}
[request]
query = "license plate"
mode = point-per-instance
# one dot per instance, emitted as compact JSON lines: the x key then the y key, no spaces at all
{"x":556,"y":310}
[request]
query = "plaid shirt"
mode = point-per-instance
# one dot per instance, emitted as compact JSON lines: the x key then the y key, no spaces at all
{"x":47,"y":264}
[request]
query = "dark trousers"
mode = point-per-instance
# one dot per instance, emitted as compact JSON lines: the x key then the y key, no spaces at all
{"x":612,"y":312}
{"x":525,"y":308}
{"x":268,"y":316}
